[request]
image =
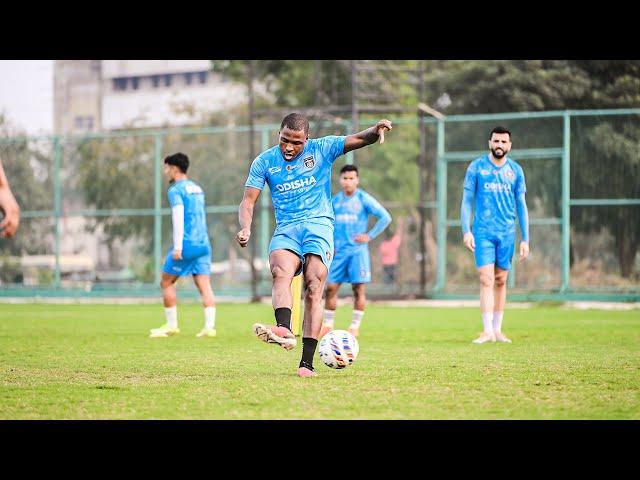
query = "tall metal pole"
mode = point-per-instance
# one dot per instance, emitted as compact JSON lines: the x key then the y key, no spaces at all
{"x":422,"y":167}
{"x":355,"y":121}
{"x":566,"y":196}
{"x":157,"y":208}
{"x":252,"y":248}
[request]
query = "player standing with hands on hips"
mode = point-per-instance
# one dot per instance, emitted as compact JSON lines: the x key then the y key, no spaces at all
{"x":298,"y":171}
{"x":494,"y":187}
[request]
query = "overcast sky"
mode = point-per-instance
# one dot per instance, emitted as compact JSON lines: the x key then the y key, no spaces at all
{"x":26,"y":94}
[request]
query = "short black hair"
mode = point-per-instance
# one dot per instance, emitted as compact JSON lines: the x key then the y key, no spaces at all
{"x":499,"y":130}
{"x":297,"y":122}
{"x":349,"y":168}
{"x":180,"y":160}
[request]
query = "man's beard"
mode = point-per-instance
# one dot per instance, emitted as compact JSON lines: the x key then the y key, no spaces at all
{"x":496,"y":155}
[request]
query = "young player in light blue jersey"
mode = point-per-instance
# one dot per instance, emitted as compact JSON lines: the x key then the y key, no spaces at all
{"x":494,"y":187}
{"x":190,"y":253}
{"x":298,"y":172}
{"x":352,"y":262}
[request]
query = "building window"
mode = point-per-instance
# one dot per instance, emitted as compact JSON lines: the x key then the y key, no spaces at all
{"x":135,"y":82}
{"x":83,"y":123}
{"x":188,"y":78}
{"x":167,"y":80}
{"x":156,"y":80}
{"x":119,"y":83}
{"x":202,"y":76}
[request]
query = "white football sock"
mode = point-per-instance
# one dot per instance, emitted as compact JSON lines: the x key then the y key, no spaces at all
{"x":497,"y":322}
{"x":329,"y":317}
{"x":487,"y":321}
{"x":210,"y":318}
{"x":356,"y":318}
{"x":172,"y":316}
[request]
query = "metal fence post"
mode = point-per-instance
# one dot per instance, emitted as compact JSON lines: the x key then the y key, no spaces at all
{"x":157,"y":211}
{"x":566,"y":197}
{"x":57,"y":206}
{"x":441,"y":198}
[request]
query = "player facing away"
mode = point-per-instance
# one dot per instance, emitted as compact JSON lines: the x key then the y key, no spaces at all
{"x":494,"y":187}
{"x":351,"y":261}
{"x":190,"y":253}
{"x":298,"y":172}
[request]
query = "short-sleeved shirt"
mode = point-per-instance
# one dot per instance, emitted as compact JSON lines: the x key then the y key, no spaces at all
{"x":352,"y":217}
{"x":495,"y":190}
{"x":300,"y":188}
{"x":190,"y":194}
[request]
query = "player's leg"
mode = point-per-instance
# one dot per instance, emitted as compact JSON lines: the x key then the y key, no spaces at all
{"x":315,"y":276}
{"x":504,"y":254}
{"x":359,"y":275}
{"x":170,"y":301}
{"x":330,"y":305}
{"x":485,"y":256}
{"x":358,"y":308}
{"x":317,"y":247}
{"x":284,"y":265}
{"x":337,"y":274}
{"x":203,"y":283}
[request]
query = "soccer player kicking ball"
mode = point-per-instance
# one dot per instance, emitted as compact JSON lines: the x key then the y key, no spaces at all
{"x":191,"y":250}
{"x":352,"y":262}
{"x":494,"y":187}
{"x":298,"y":171}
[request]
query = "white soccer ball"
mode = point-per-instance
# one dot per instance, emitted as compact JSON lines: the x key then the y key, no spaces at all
{"x":338,"y":349}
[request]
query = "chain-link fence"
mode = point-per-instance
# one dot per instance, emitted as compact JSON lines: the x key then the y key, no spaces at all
{"x":96,"y":222}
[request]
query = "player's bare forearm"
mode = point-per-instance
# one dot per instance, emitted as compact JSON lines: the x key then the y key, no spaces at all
{"x":367,"y":137}
{"x":245,"y":214}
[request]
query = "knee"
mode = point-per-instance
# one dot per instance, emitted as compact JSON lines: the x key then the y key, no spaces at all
{"x":486,"y":280}
{"x":331,"y":292}
{"x":500,"y":281}
{"x":278,"y":272}
{"x":165,"y":284}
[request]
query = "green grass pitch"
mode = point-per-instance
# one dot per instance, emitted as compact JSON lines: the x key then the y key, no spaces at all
{"x":96,"y":362}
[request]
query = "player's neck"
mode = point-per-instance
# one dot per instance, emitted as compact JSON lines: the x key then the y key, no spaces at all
{"x":349,"y":195}
{"x":497,"y":162}
{"x":178,"y":178}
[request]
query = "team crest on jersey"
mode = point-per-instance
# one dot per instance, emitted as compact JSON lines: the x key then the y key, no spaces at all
{"x":309,"y":162}
{"x":509,"y":174}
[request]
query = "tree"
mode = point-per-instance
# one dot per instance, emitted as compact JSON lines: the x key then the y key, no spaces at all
{"x":516,"y":85}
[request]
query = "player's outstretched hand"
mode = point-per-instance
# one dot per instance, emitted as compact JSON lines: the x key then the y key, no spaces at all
{"x":524,"y":250}
{"x":381,"y":126}
{"x":243,"y":237}
{"x":469,"y":241}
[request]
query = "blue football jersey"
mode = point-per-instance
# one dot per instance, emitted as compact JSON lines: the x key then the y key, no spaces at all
{"x":352,"y":217}
{"x":300,"y":188}
{"x":495,"y":189}
{"x":190,"y":194}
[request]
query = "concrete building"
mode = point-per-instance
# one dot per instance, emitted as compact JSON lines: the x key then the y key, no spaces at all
{"x":94,"y":95}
